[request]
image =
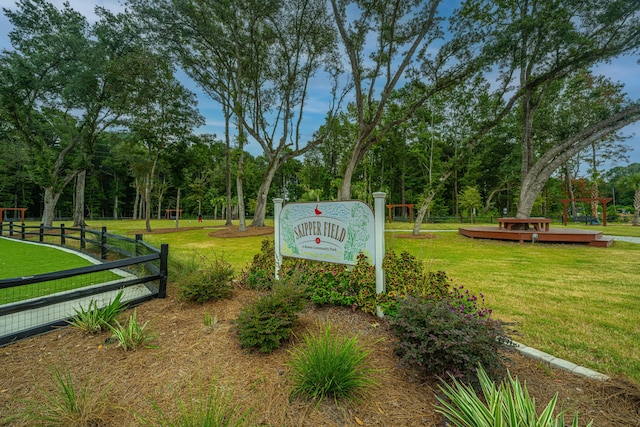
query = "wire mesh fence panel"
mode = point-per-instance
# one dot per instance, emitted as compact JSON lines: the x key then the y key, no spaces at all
{"x":34,"y":303}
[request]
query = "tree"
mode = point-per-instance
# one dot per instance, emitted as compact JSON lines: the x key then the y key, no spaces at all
{"x":403,"y":33}
{"x":37,"y":77}
{"x":166,"y":115}
{"x":105,"y":89}
{"x":633,"y":181}
{"x":257,"y":59}
{"x":537,"y":43}
{"x":468,"y":115}
{"x":470,"y":200}
{"x":65,"y":83}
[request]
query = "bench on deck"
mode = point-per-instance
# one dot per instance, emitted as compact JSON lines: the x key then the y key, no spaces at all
{"x":537,"y":223}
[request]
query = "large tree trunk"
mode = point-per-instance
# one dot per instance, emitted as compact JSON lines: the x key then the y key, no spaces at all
{"x":424,"y":207}
{"x":263,"y":191}
{"x":531,"y":187}
{"x":147,"y":203}
{"x":636,"y":208}
{"x":78,"y":212}
{"x":345,"y":189}
{"x":227,"y":169}
{"x":50,"y":201}
{"x":552,"y":159}
{"x":242,"y":226}
{"x":570,"y":190}
{"x":178,"y":209}
{"x":136,"y":200}
{"x":594,"y":183}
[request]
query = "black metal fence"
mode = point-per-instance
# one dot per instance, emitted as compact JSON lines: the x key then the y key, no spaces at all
{"x":132,"y":266}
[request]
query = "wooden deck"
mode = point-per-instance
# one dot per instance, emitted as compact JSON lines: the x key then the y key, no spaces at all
{"x":564,"y":235}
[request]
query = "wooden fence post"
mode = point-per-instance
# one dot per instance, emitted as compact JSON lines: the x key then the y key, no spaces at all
{"x":62,"y":241}
{"x":103,"y":243}
{"x":164,"y":270}
{"x":138,"y":239}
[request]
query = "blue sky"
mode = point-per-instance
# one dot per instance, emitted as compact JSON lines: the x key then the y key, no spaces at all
{"x":624,"y":70}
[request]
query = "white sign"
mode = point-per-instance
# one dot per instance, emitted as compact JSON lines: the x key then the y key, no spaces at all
{"x":327,"y":231}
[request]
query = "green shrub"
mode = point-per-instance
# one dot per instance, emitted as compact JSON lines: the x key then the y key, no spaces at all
{"x":508,"y":404}
{"x":353,"y":286}
{"x":93,"y":319}
{"x":404,"y":276}
{"x":260,"y":274}
{"x":404,"y":273}
{"x":265,"y":323}
{"x":132,"y":335}
{"x":436,"y":338}
{"x":210,"y":283}
{"x":328,"y":365}
{"x":436,"y":285}
{"x":329,"y":284}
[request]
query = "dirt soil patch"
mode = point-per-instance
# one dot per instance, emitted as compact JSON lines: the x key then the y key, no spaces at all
{"x":221,"y":231}
{"x":232,"y":232}
{"x":417,"y":236}
{"x":190,"y":353}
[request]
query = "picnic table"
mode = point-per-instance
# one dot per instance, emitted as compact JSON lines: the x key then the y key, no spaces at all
{"x":537,"y":223}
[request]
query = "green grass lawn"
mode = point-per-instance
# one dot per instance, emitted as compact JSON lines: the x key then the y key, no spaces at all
{"x":573,"y":301}
{"x":18,"y":259}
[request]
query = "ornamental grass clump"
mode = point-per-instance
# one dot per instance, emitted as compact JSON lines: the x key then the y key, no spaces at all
{"x":68,"y":404}
{"x":132,"y":335}
{"x":328,"y":365}
{"x":437,"y":338}
{"x":93,"y":320}
{"x":505,"y":405}
{"x":210,"y":406}
{"x":209,"y":283}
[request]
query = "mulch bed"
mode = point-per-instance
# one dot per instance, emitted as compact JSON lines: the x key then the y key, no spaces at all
{"x":190,"y":353}
{"x":417,"y":236}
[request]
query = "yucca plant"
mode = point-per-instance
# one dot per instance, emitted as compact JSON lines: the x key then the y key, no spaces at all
{"x":329,"y":365}
{"x":93,"y":320}
{"x":505,"y":405}
{"x":69,"y":405}
{"x":132,"y":335}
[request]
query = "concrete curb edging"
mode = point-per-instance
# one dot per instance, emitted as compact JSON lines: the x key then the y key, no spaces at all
{"x":559,"y":363}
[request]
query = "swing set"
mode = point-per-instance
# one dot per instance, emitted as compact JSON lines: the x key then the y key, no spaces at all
{"x":171,"y":214}
{"x":409,"y":206}
{"x":603,"y":200}
{"x":15,"y":218}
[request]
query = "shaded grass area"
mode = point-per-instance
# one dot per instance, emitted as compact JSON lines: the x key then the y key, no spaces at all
{"x":18,"y":259}
{"x":573,"y":301}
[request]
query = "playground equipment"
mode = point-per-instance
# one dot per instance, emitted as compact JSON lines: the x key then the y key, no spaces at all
{"x":171,"y":214}
{"x":15,"y":218}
